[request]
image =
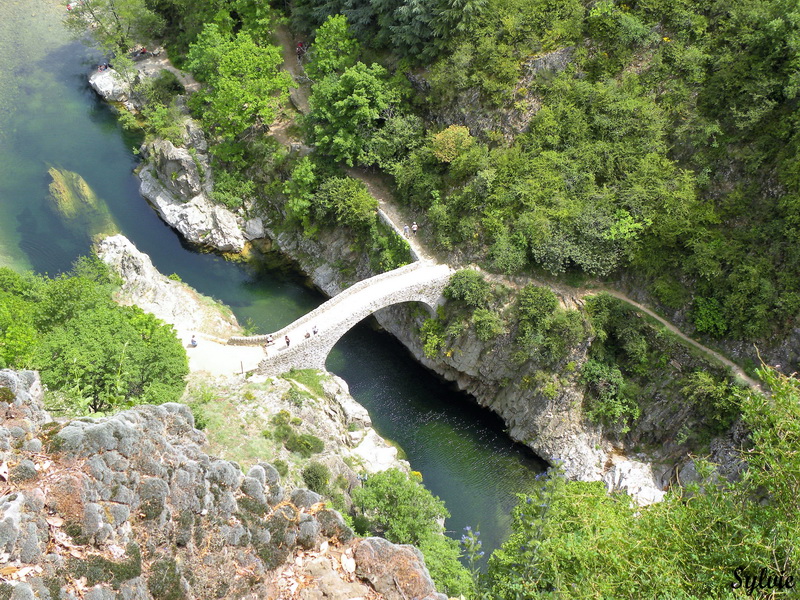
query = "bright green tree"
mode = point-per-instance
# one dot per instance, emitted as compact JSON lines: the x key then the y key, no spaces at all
{"x":400,"y":509}
{"x":245,"y":85}
{"x":347,"y":201}
{"x":574,"y":540}
{"x":299,"y":190}
{"x":117,"y":25}
{"x":113,"y":357}
{"x":345,"y":110}
{"x":334,"y":49}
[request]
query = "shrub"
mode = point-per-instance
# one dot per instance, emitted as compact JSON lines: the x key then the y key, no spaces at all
{"x":469,"y":287}
{"x":281,"y":467}
{"x":609,"y":404}
{"x":304,"y":444}
{"x":449,"y":144}
{"x":488,"y":324}
{"x":708,"y":316}
{"x":316,"y":476}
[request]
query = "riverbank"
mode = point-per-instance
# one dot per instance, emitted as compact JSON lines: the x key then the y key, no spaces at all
{"x":222,"y":382}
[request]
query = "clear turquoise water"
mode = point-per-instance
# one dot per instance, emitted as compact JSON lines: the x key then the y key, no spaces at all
{"x":50,"y":117}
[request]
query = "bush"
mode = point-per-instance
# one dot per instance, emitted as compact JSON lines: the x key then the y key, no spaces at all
{"x":304,"y":444}
{"x":164,"y":88}
{"x":281,"y":467}
{"x":404,"y":512}
{"x":488,"y":324}
{"x":709,"y":317}
{"x":609,"y":403}
{"x":316,"y":476}
{"x":469,"y":287}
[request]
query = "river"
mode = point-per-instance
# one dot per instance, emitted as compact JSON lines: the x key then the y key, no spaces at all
{"x":49,"y":117}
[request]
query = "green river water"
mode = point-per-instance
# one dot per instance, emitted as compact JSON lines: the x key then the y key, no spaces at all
{"x":49,"y":117}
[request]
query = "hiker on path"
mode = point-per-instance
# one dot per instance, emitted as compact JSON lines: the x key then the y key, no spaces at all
{"x":286,"y":339}
{"x":414,"y":227}
{"x":405,"y":230}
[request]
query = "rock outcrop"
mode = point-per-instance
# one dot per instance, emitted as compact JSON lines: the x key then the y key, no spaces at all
{"x":130,"y":506}
{"x":198,"y":220}
{"x":169,"y":300}
{"x":110,"y":85}
{"x":555,"y":428}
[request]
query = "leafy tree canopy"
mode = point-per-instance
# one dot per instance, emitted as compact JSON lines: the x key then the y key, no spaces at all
{"x":245,"y":85}
{"x":97,"y":355}
{"x":345,"y":110}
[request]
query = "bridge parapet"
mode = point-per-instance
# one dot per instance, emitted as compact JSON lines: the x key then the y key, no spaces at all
{"x":343,"y":296}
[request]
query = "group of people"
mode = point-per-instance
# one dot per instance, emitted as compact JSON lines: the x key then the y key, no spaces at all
{"x":271,"y":339}
{"x":414,"y":228}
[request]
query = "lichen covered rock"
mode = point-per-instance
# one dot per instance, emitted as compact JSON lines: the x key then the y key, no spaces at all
{"x":130,"y":506}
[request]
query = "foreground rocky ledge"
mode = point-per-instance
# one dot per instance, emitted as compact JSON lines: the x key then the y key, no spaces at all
{"x":131,"y":507}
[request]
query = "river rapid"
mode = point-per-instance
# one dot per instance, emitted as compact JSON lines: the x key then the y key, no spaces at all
{"x":49,"y":117}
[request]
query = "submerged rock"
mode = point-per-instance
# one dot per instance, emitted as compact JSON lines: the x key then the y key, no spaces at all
{"x":77,"y":204}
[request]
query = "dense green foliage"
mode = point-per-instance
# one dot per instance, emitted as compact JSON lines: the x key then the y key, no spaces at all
{"x":97,"y":355}
{"x":335,"y":49}
{"x":573,"y":540}
{"x":117,"y":25}
{"x":653,"y":137}
{"x":245,"y":86}
{"x":345,"y":109}
{"x":400,"y":509}
{"x":316,"y":476}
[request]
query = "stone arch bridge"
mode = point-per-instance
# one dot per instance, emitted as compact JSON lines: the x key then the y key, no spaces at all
{"x":417,"y":282}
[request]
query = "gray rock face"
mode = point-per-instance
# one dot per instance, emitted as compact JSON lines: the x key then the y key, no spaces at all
{"x":198,"y":219}
{"x":129,"y":506}
{"x":110,"y":85}
{"x":176,"y":168}
{"x":553,"y":427}
{"x":172,"y":301}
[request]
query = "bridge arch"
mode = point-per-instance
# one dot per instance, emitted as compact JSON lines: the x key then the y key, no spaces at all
{"x":417,"y":282}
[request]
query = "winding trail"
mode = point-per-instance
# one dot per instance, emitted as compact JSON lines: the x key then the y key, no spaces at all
{"x":396,"y":216}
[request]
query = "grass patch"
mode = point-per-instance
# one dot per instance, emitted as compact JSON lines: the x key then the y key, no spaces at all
{"x":310,"y":378}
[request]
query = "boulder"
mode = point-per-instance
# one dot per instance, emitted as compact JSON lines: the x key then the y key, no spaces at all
{"x":198,"y":220}
{"x":110,"y":85}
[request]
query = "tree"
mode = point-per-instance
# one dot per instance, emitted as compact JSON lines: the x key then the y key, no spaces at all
{"x":345,"y":109}
{"x":117,"y":25}
{"x":245,"y":83}
{"x":347,"y":201}
{"x":334,"y":49}
{"x":573,"y":539}
{"x":299,"y":189}
{"x":400,"y":509}
{"x":98,"y":355}
{"x":111,"y":357}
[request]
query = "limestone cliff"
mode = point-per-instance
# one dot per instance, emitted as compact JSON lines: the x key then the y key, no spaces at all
{"x":131,"y":506}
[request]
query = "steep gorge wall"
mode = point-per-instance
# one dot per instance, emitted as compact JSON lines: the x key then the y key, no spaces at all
{"x":553,"y":426}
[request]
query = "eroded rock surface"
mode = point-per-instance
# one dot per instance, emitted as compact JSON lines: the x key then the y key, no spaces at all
{"x":110,"y":85}
{"x":130,"y":506}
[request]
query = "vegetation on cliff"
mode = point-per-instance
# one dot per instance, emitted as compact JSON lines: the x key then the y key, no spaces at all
{"x":95,"y":355}
{"x":573,"y":540}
